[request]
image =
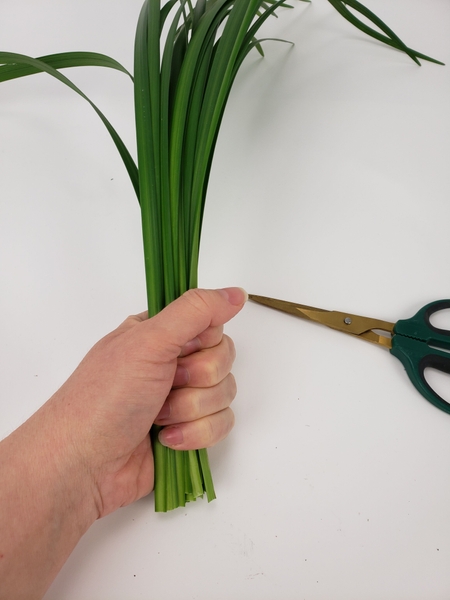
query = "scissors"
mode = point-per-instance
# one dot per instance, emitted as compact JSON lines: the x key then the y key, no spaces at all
{"x":415,"y":341}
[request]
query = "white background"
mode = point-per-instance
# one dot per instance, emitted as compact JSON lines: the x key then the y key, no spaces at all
{"x":330,"y":187}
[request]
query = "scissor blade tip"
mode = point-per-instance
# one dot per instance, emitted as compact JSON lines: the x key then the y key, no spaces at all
{"x":259,"y":299}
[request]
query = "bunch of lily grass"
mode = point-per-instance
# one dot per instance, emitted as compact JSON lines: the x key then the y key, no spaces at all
{"x":181,"y":90}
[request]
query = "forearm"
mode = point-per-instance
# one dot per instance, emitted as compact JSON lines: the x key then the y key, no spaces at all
{"x":46,"y":505}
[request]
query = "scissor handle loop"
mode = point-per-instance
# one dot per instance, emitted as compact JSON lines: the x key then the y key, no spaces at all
{"x":429,"y":310}
{"x":420,"y":327}
{"x":416,"y":344}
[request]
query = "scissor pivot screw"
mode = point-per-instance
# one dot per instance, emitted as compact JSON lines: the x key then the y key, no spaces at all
{"x":348,"y":320}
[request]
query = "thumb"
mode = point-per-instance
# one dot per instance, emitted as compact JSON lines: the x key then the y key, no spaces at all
{"x":195,"y":311}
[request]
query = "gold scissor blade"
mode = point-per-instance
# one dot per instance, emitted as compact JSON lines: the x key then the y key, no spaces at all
{"x":362,"y":327}
{"x":288,"y":307}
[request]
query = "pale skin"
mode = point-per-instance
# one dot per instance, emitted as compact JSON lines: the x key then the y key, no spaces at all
{"x":86,"y":452}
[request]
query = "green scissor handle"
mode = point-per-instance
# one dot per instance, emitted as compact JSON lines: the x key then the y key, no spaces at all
{"x":416,"y":343}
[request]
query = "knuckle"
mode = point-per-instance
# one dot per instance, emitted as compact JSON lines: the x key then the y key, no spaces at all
{"x":226,"y":423}
{"x":197,"y":404}
{"x":211,"y":373}
{"x":232,"y":420}
{"x":218,"y":427}
{"x":209,"y":433}
{"x":231,"y":347}
{"x":197,"y":299}
{"x":131,"y":321}
{"x":186,"y":405}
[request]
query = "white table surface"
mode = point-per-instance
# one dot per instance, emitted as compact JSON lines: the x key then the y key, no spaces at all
{"x":331,"y":187}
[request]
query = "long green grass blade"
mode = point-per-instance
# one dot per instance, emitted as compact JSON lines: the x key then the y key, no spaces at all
{"x":10,"y":58}
{"x":188,"y":78}
{"x":171,"y":64}
{"x":222,"y":76}
{"x":210,"y":22}
{"x":199,"y":11}
{"x":250,"y":40}
{"x":62,"y":61}
{"x":236,"y":27}
{"x":390,"y":39}
{"x":165,"y":11}
{"x":196,"y":475}
{"x":206,"y":474}
{"x":150,"y":208}
{"x":160,"y":460}
{"x":199,"y":82}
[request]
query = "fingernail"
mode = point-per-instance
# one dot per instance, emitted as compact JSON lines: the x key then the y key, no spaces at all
{"x":191,"y":347}
{"x":164,"y":413}
{"x":234,"y":295}
{"x":171,"y":436}
{"x":181,"y":377}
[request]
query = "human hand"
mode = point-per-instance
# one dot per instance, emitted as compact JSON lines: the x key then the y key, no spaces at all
{"x":173,"y":370}
{"x":87,"y":451}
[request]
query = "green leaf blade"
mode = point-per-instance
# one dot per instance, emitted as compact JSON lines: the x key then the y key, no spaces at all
{"x":12,"y":59}
{"x":62,"y":60}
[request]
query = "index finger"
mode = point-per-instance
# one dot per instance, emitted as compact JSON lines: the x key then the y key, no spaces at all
{"x":207,"y":339}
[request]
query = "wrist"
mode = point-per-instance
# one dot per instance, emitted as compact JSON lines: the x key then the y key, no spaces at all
{"x":64,"y":465}
{"x":46,"y":505}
